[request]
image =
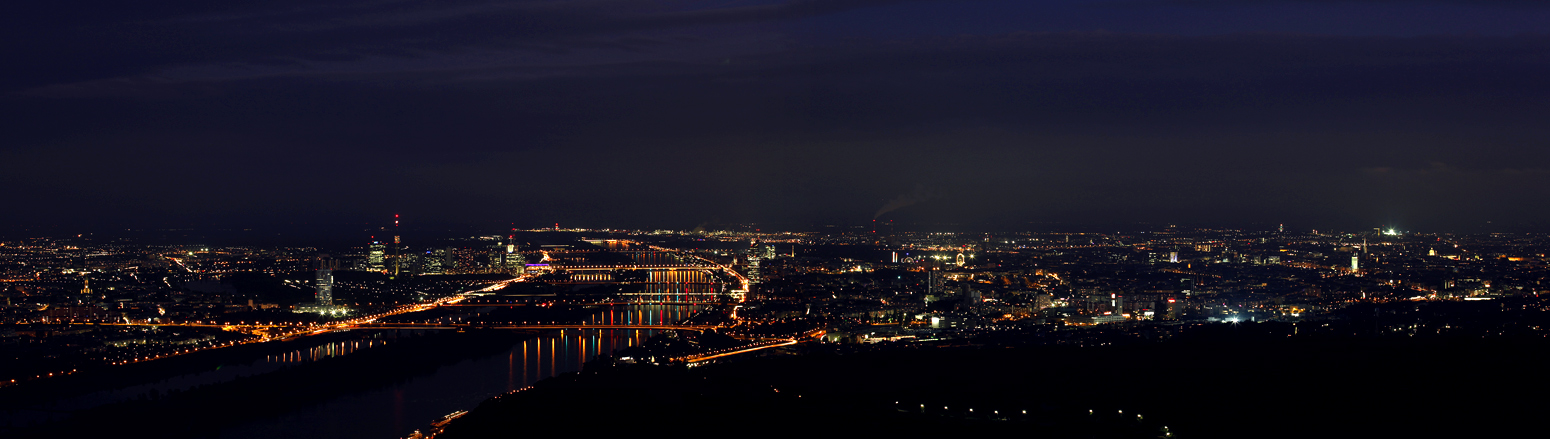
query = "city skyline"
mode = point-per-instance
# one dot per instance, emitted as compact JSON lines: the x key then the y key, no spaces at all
{"x":464,"y":219}
{"x":468,"y":336}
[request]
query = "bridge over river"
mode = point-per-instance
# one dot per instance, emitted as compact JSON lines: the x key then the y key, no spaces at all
{"x":527,"y":326}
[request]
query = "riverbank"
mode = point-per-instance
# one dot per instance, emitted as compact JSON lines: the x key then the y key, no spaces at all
{"x":204,"y":411}
{"x":1205,"y":387}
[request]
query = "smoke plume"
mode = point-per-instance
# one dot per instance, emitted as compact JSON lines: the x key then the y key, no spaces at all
{"x":920,"y":194}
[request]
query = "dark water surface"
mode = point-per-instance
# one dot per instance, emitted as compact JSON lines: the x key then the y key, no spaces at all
{"x":398,"y":409}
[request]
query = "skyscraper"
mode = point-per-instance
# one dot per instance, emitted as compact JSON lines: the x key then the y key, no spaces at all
{"x":325,"y":280}
{"x":431,"y":261}
{"x":753,"y":270}
{"x":512,"y":261}
{"x":374,"y":256}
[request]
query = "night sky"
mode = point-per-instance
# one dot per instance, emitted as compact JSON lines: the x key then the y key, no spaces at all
{"x":1426,"y":115}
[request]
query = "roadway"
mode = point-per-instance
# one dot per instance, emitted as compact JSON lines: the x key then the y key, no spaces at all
{"x":371,"y":321}
{"x":622,"y":267}
{"x":638,"y":302}
{"x":533,"y":326}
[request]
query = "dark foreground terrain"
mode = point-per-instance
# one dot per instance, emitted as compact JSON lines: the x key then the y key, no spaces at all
{"x":1234,"y":382}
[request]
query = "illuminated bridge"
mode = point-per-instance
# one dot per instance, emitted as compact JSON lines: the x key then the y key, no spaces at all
{"x":619,"y":267}
{"x":658,"y":283}
{"x":527,"y":326}
{"x":671,"y":276}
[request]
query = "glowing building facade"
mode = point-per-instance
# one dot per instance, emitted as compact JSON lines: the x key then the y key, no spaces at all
{"x":325,"y":280}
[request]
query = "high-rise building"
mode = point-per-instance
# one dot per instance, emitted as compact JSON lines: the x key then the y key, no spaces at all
{"x":325,"y":280}
{"x":409,"y":263}
{"x":431,"y":260}
{"x":514,"y":262}
{"x":1356,"y":263}
{"x":495,"y":259}
{"x":753,"y":269}
{"x":374,"y":256}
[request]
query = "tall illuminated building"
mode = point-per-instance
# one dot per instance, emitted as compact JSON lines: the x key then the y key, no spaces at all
{"x":409,"y":263}
{"x":431,"y":261}
{"x":325,"y":280}
{"x":753,"y":270}
{"x":374,"y":256}
{"x":512,"y":261}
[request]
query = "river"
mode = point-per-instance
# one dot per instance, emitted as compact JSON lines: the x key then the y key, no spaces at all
{"x":397,"y":409}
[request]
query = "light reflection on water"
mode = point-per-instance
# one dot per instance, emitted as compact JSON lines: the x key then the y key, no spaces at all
{"x":59,"y":409}
{"x":413,"y":404}
{"x":680,"y":276}
{"x":329,"y":350}
{"x":655,"y":258}
{"x":643,"y":315}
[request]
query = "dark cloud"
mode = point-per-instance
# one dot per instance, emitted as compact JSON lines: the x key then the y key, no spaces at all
{"x":1494,"y":3}
{"x":68,"y":42}
{"x":616,"y":114}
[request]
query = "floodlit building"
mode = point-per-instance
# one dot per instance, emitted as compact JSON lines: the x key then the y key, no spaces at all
{"x":325,"y":280}
{"x":374,"y":256}
{"x":513,"y":262}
